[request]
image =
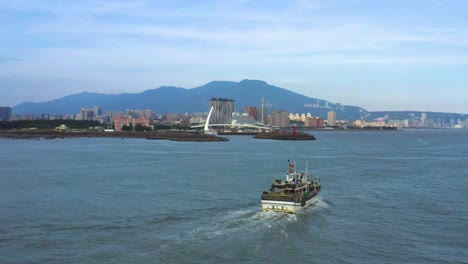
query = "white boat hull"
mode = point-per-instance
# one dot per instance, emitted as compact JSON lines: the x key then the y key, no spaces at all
{"x":286,"y":207}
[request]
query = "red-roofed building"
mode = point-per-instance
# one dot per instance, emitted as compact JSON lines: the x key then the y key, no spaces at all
{"x":121,"y":121}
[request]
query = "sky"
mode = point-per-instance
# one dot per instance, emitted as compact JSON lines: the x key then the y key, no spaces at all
{"x":377,"y":54}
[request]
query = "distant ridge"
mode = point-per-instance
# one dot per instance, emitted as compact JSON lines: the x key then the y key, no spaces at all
{"x":169,"y":99}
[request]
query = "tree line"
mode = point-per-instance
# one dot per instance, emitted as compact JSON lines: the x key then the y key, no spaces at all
{"x":139,"y":127}
{"x":81,"y":124}
{"x":48,"y":124}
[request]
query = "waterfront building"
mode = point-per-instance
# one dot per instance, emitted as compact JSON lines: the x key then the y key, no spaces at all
{"x":314,"y":122}
{"x":318,"y":122}
{"x":360,"y":123}
{"x":331,"y":118}
{"x":252,"y":111}
{"x":308,"y":121}
{"x":121,"y":121}
{"x":5,"y":113}
{"x":172,"y":117}
{"x":280,"y":118}
{"x":222,"y":110}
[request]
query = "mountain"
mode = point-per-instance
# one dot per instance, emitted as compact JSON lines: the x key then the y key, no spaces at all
{"x":167,"y":99}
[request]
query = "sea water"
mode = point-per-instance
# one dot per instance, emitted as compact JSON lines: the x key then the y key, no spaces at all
{"x":387,"y":197}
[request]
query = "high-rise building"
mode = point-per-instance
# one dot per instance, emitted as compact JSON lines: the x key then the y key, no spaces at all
{"x":452,"y":122}
{"x":309,"y":121}
{"x":423,"y":119}
{"x":86,"y":114}
{"x":280,"y":118}
{"x":222,"y":110}
{"x":263,"y":116}
{"x":5,"y":113}
{"x":97,"y":111}
{"x":252,"y":111}
{"x":331,"y":118}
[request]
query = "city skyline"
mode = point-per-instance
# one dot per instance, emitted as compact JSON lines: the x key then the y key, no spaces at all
{"x":388,"y":56}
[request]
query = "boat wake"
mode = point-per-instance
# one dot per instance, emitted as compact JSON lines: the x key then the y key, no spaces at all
{"x":319,"y":204}
{"x":231,"y":222}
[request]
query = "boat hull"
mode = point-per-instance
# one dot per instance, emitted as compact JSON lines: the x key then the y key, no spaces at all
{"x":285,"y":206}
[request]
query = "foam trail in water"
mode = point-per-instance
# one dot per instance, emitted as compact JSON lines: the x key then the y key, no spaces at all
{"x":422,"y":141}
{"x":320,"y":203}
{"x":251,"y":217}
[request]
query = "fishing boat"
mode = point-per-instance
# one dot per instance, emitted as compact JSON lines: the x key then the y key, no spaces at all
{"x":292,"y":194}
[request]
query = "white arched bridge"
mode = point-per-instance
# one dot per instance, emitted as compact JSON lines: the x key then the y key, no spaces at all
{"x":230,"y":126}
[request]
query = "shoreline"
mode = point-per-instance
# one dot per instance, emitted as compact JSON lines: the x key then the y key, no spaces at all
{"x":152,"y":135}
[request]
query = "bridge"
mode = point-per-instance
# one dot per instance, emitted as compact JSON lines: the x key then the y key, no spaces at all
{"x":246,"y":126}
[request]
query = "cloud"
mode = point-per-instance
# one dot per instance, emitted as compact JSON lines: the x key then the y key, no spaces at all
{"x":283,"y":32}
{"x":136,"y":43}
{"x":272,"y":41}
{"x":9,"y":59}
{"x":312,"y":4}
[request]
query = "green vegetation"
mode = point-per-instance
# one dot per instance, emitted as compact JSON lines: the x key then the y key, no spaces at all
{"x":169,"y":127}
{"x":138,"y":127}
{"x":48,"y":124}
{"x":297,"y":123}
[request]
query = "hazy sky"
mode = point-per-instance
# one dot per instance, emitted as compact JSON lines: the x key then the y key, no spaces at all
{"x":377,"y":54}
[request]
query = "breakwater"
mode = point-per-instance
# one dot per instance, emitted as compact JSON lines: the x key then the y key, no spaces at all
{"x":153,"y":135}
{"x":284,"y":135}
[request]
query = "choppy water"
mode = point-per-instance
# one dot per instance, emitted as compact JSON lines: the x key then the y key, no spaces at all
{"x":388,"y":197}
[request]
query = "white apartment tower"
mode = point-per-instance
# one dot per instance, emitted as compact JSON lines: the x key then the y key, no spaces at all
{"x":331,"y":118}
